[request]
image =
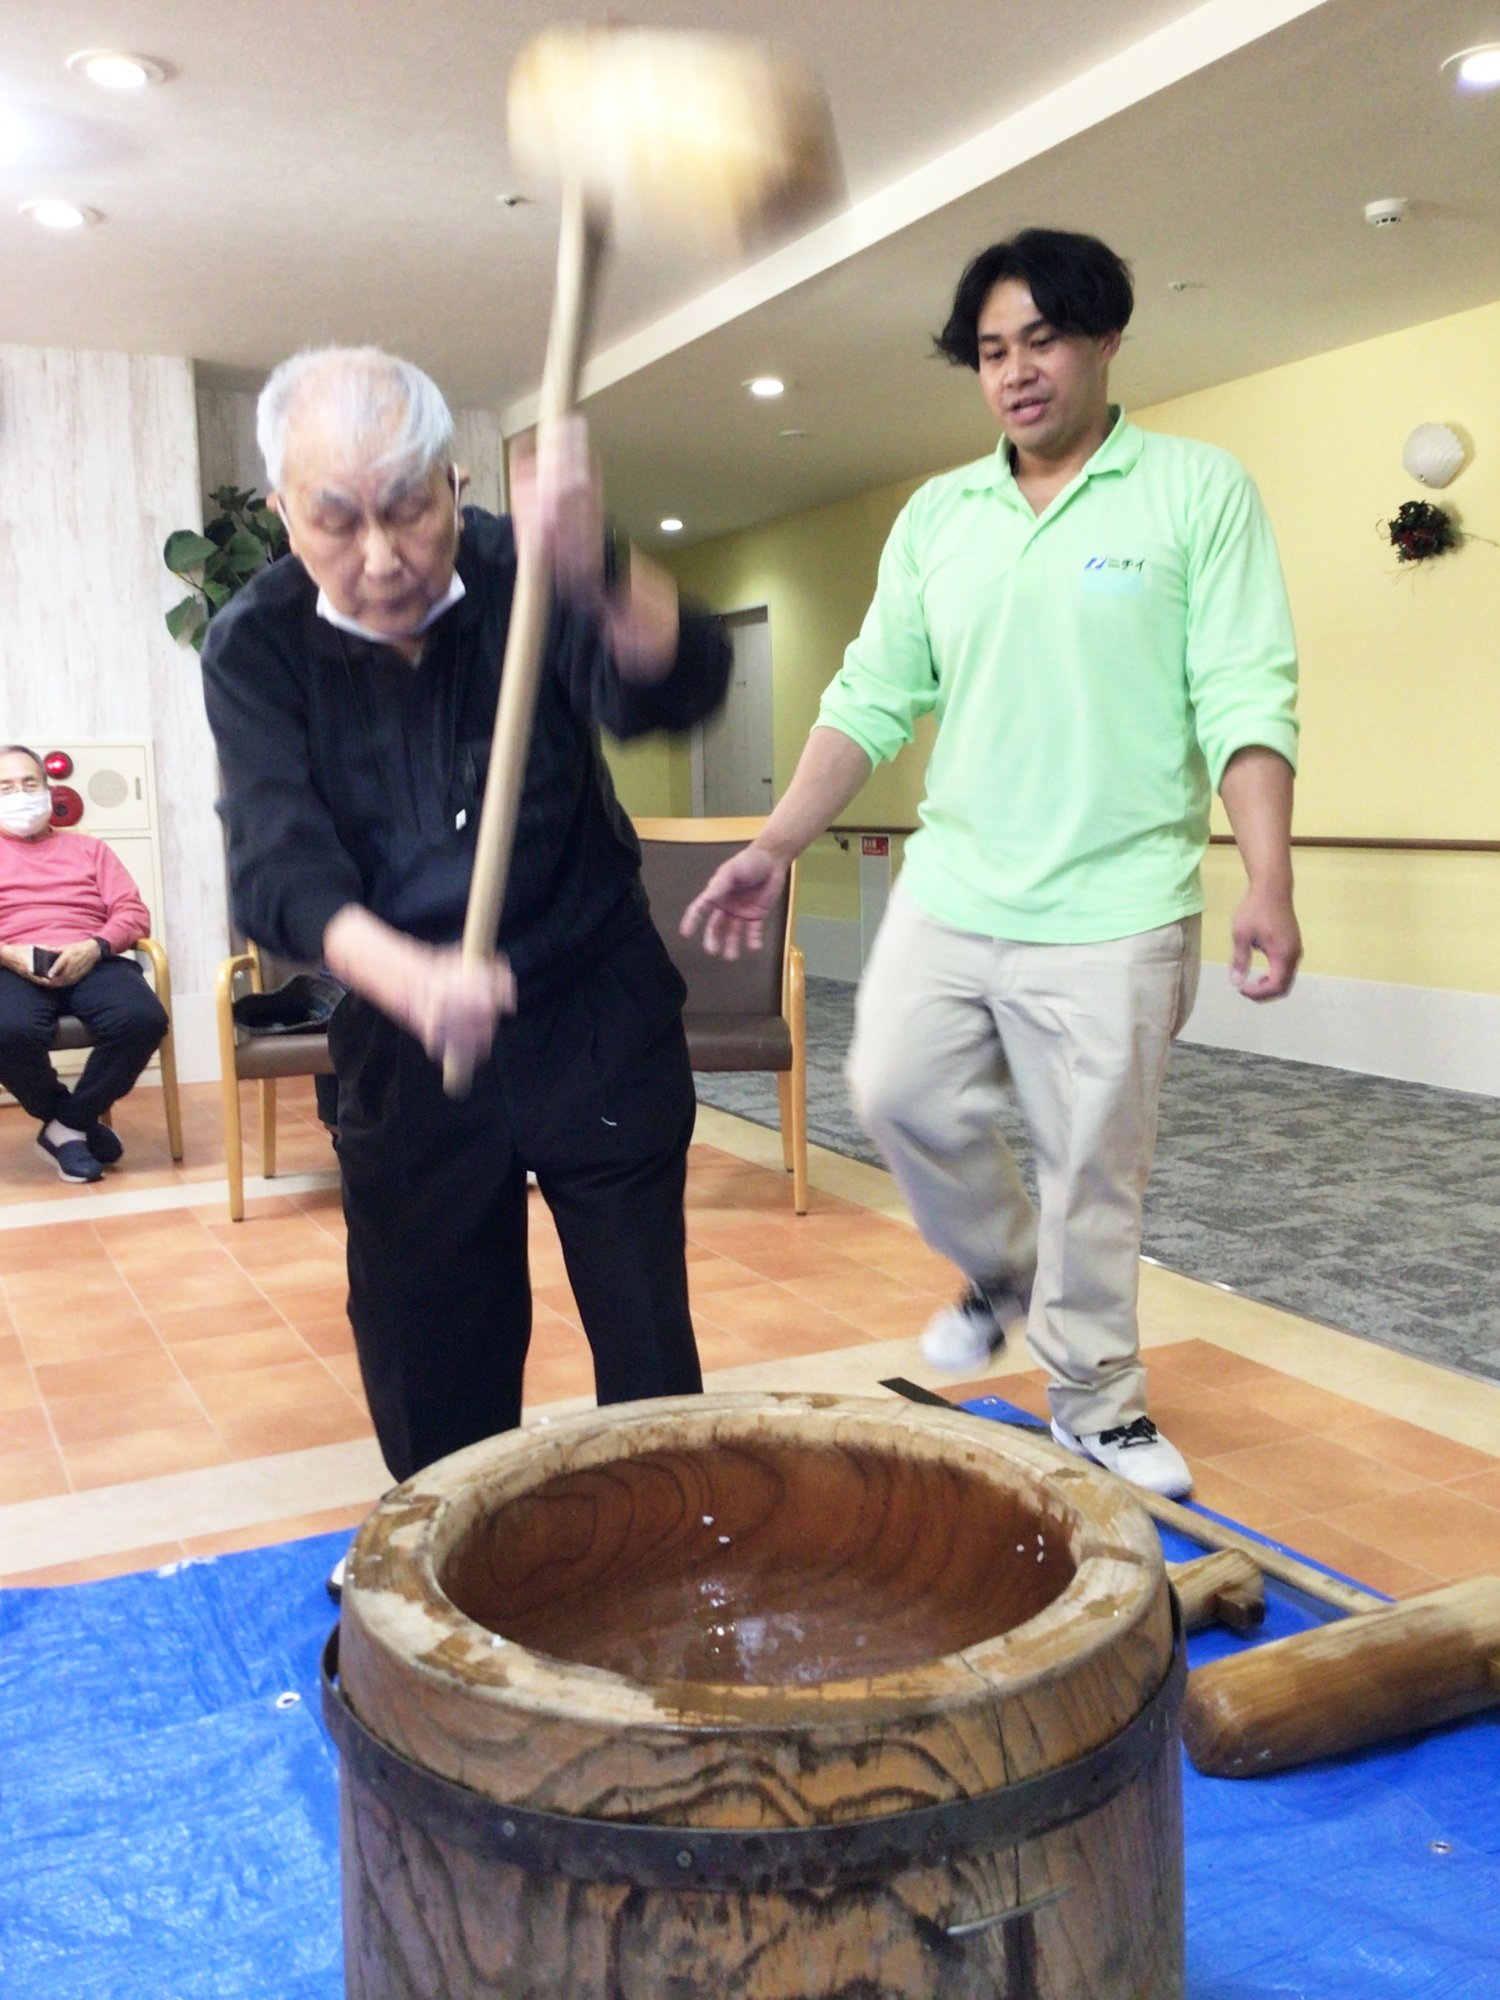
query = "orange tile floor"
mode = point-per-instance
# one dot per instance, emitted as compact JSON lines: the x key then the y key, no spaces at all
{"x":135,"y":1347}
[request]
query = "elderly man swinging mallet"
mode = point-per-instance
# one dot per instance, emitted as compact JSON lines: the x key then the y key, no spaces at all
{"x":352,"y":690}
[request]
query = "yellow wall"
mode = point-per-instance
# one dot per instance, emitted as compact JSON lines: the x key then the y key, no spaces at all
{"x":1401,"y":663}
{"x":814,"y":573}
{"x":652,"y":775}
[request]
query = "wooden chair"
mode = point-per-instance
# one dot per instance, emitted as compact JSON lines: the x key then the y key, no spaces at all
{"x":748,"y":1013}
{"x":263,"y":1058}
{"x":71,"y":1033}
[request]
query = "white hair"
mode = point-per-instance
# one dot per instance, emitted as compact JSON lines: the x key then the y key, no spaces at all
{"x":385,"y":411}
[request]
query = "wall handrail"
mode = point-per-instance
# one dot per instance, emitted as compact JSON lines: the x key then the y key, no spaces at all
{"x":1373,"y":844}
{"x":846,"y":827}
{"x":1370,"y":843}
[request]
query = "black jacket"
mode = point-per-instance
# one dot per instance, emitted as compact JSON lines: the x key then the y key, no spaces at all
{"x":349,"y":776}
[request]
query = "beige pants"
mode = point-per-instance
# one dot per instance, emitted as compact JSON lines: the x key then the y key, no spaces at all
{"x":943,"y":1019}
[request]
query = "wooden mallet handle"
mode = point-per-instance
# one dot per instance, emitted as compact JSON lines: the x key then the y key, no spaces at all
{"x":1208,"y":1533}
{"x":580,"y":251}
{"x":1203,"y":1529}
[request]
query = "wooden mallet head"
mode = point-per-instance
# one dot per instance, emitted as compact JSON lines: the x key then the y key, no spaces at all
{"x":706,"y":136}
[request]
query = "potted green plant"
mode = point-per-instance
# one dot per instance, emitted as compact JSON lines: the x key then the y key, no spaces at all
{"x":240,"y":539}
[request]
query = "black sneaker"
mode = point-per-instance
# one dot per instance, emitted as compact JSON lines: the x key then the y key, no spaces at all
{"x":72,"y":1159}
{"x":104,"y":1144}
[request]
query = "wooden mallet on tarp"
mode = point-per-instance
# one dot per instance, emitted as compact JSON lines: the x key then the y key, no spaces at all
{"x":1361,"y":1680}
{"x":708,"y":136}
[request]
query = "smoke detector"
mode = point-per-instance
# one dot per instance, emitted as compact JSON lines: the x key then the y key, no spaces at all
{"x":1386,"y":214}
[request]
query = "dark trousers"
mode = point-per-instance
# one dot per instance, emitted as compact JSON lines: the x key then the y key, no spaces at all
{"x":120,"y":1011}
{"x":591,"y":1090}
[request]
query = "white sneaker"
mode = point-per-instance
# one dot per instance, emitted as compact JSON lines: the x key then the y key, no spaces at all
{"x":1137,"y":1452}
{"x":967,"y":1335}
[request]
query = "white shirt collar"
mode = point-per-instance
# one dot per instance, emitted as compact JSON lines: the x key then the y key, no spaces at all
{"x":335,"y":617}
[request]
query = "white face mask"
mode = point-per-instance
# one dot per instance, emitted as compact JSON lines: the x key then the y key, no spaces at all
{"x":446,"y":602}
{"x":24,"y":813}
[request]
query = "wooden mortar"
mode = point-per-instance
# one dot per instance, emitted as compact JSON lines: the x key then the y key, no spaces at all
{"x":827,"y":1699}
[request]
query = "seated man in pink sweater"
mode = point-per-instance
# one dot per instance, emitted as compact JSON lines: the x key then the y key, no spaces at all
{"x":67,"y":907}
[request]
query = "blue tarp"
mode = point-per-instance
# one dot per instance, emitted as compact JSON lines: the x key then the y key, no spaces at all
{"x":168,"y":1819}
{"x":169,"y":1829}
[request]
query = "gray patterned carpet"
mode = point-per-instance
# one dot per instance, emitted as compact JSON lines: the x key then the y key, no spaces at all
{"x":1371,"y":1205}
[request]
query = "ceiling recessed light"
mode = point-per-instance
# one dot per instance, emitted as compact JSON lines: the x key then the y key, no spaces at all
{"x":1477,"y":68}
{"x":112,"y":70}
{"x":671,"y":525}
{"x":766,"y":386}
{"x":59,"y":214}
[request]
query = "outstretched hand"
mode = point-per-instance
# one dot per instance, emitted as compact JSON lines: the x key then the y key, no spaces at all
{"x":733,"y":907}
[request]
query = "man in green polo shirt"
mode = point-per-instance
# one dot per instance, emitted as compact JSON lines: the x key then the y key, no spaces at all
{"x":1097,"y":619}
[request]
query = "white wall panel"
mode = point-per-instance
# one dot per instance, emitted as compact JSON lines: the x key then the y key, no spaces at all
{"x":98,"y":463}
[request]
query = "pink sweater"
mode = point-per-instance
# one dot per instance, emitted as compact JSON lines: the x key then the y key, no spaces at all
{"x":62,"y":887}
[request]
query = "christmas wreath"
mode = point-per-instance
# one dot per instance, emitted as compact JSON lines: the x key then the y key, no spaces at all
{"x":1420,"y":531}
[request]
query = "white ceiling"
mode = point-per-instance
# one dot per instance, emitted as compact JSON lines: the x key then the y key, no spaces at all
{"x":328,"y":169}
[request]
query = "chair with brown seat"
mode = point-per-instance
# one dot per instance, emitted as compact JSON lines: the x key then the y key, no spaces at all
{"x":747,"y":1013}
{"x":71,"y":1033}
{"x":263,"y":1058}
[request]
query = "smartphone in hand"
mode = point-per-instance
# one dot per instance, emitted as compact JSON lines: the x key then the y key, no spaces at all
{"x":42,"y":960}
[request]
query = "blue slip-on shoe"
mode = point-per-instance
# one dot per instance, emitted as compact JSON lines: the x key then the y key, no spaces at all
{"x":72,"y":1159}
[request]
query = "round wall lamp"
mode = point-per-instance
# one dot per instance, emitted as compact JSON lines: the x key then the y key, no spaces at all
{"x":1433,"y":454}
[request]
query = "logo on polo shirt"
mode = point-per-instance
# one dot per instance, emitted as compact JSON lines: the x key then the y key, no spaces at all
{"x":1121,"y":576}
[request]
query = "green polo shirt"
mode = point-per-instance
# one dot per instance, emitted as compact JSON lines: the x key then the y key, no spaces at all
{"x":1092,"y":671}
